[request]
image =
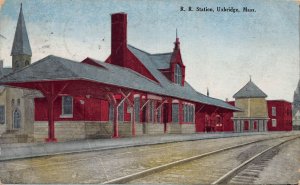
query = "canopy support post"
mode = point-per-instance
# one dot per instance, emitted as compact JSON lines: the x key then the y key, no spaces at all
{"x":51,"y":95}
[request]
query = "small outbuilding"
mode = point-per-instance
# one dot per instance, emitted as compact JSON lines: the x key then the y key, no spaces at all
{"x":252,"y":100}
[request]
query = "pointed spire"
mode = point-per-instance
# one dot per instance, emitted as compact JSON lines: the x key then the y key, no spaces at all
{"x":177,"y":43}
{"x":250,"y":78}
{"x":21,"y":45}
{"x":207,"y":92}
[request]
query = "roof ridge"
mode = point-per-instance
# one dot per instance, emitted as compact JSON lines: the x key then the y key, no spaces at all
{"x":139,"y":49}
{"x":128,"y":69}
{"x":34,"y":63}
{"x":166,"y":53}
{"x":152,"y":54}
{"x":67,"y":60}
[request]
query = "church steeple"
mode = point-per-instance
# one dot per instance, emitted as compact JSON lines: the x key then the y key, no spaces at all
{"x":21,"y":50}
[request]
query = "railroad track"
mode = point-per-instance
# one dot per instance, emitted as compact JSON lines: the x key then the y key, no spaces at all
{"x":248,"y":171}
{"x":242,"y":174}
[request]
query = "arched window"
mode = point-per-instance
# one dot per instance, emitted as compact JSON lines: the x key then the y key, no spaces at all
{"x":17,"y":64}
{"x":177,"y":74}
{"x":26,"y":63}
{"x":17,"y":118}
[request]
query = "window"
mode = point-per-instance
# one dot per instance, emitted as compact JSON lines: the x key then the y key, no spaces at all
{"x":2,"y":114}
{"x":26,"y":63}
{"x":121,"y":112}
{"x":177,"y":74}
{"x":188,"y":113}
{"x":218,"y":121}
{"x":17,"y":64}
{"x":175,"y":113}
{"x":184,"y":113}
{"x":158,"y":115}
{"x":17,"y":118}
{"x":67,"y":105}
{"x":274,"y":122}
{"x":13,"y":102}
{"x":191,"y":113}
{"x":273,"y":111}
{"x":137,"y":108}
{"x":151,"y":109}
{"x":18,"y":102}
{"x":111,"y":112}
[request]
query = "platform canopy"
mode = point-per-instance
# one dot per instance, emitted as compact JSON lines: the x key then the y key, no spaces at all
{"x":60,"y":70}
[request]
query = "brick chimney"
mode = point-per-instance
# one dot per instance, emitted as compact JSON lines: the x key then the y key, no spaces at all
{"x":118,"y":39}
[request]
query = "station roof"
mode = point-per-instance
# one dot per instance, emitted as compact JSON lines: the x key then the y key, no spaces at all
{"x":250,"y":90}
{"x":60,"y":69}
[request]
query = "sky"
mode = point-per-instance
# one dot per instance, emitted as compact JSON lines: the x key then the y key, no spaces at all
{"x":219,"y":49}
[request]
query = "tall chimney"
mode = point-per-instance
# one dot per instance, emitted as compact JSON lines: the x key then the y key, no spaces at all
{"x":118,"y":39}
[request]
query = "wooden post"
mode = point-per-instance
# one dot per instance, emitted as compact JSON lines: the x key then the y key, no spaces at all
{"x":126,"y":98}
{"x":51,"y":126}
{"x":113,"y":102}
{"x":51,"y":95}
{"x":133,"y":121}
{"x":116,"y":123}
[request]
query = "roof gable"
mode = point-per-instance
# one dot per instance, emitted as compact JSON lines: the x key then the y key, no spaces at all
{"x":161,"y":61}
{"x":135,"y":64}
{"x":93,"y":62}
{"x":250,"y":90}
{"x":147,"y":60}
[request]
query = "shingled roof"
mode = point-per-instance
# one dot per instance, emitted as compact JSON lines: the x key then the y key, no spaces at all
{"x":250,"y":90}
{"x":21,"y":45}
{"x":64,"y":69}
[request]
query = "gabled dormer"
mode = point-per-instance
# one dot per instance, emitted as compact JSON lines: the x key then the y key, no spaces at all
{"x":177,"y":67}
{"x":120,"y":54}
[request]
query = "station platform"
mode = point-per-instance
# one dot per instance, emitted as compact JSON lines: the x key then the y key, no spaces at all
{"x":30,"y":150}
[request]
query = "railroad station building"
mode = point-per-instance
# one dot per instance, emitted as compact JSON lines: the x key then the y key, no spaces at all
{"x":132,"y":93}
